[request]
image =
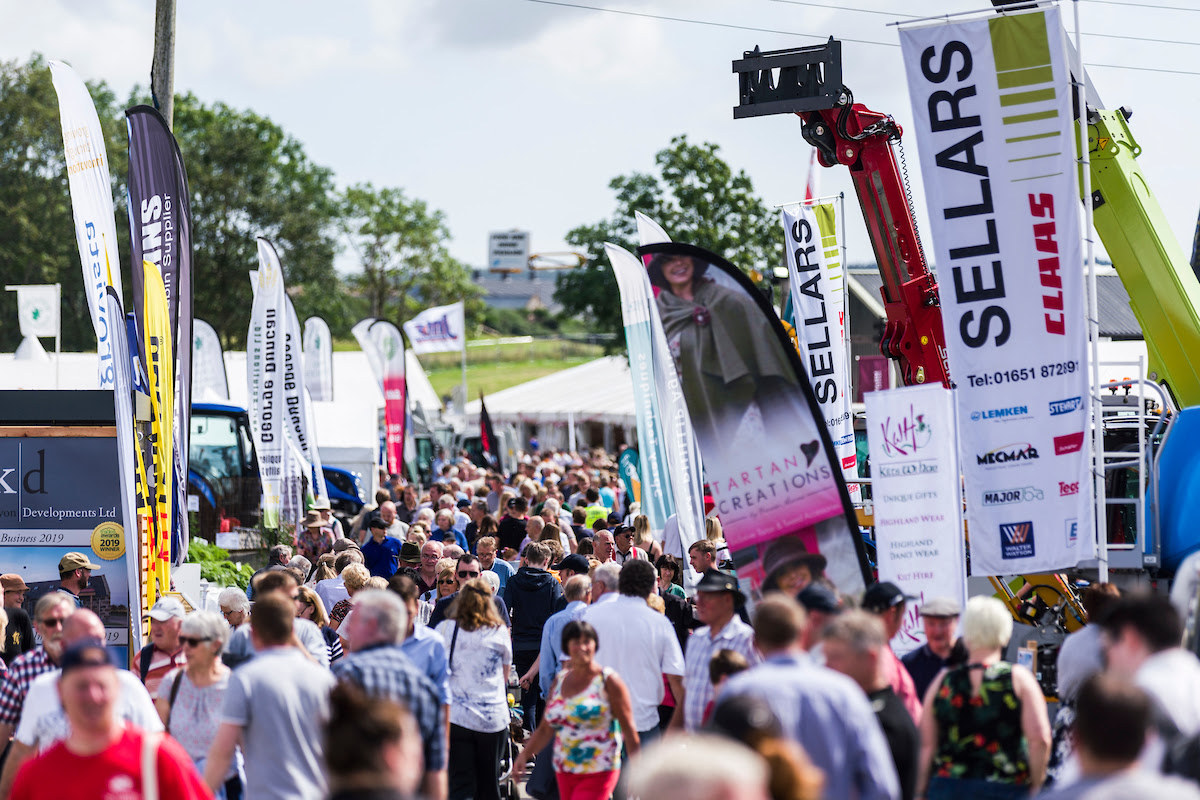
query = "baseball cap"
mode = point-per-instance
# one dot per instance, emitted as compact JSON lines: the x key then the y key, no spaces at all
{"x":166,"y":608}
{"x":882,"y":596}
{"x":713,"y":580}
{"x":940,"y":607}
{"x":574,"y":562}
{"x":89,"y":652}
{"x":73,"y":561}
{"x":817,"y":597}
{"x":464,"y":503}
{"x":13,"y":582}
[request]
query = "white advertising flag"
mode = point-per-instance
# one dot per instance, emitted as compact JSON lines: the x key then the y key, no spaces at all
{"x":37,"y":310}
{"x":992,"y":113}
{"x":91,"y":202}
{"x":437,"y":330}
{"x":318,"y":359}
{"x":264,"y":379}
{"x":296,"y":401}
{"x":209,"y":380}
{"x":384,"y":347}
{"x":817,"y":282}
{"x":918,"y":499}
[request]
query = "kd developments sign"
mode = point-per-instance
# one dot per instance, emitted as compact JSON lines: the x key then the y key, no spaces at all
{"x":993,"y":118}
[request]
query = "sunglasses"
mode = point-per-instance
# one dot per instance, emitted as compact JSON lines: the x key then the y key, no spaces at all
{"x":190,"y":642}
{"x":53,"y":622}
{"x":445,"y":581}
{"x":464,"y":574}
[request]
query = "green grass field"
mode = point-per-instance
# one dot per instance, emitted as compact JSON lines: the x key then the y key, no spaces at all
{"x":491,"y":378}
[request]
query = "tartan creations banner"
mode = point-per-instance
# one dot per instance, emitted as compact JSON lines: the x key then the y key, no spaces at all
{"x":993,"y":118}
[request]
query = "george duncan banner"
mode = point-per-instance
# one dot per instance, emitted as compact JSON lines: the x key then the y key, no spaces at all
{"x":767,"y":454}
{"x":437,"y":330}
{"x":918,"y":499}
{"x":264,"y":379}
{"x":993,"y":117}
{"x":816,"y":284}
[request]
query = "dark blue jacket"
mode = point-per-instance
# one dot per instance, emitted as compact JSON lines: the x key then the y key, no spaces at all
{"x":532,"y":595}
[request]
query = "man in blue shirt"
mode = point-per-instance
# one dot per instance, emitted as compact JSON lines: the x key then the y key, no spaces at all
{"x":824,"y":712}
{"x":381,"y":553}
{"x":577,"y":590}
{"x":485,"y":548}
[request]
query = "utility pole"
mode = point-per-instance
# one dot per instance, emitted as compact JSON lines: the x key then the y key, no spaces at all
{"x":162,"y":68}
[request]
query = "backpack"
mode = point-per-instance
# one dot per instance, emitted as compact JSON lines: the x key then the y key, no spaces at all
{"x":144,"y":658}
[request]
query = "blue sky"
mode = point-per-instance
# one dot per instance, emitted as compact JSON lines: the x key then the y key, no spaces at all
{"x":511,"y":113}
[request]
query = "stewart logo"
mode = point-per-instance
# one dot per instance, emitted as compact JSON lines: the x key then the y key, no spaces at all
{"x":1016,"y":540}
{"x":1058,"y":407}
{"x":1071,"y":443}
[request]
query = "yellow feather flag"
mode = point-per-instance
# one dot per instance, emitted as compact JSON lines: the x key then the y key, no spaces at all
{"x":160,"y":369}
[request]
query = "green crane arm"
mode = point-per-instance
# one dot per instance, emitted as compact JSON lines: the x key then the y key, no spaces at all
{"x":1163,"y":290}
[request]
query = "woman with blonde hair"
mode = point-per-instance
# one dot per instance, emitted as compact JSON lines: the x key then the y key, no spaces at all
{"x":479,"y":656}
{"x":311,"y":607}
{"x":447,"y":584}
{"x":643,"y":539}
{"x":355,"y":577}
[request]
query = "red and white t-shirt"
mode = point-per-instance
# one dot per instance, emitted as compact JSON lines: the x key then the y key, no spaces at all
{"x":114,"y":774}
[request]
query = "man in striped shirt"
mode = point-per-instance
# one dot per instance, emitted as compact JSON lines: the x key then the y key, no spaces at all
{"x":717,"y":599}
{"x":49,"y":615}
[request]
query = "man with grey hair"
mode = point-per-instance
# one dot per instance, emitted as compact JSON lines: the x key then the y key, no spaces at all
{"x":235,"y":607}
{"x":703,"y":767}
{"x":301,"y":563}
{"x":853,"y":645}
{"x":577,"y":591}
{"x":606,"y":582}
{"x":379,"y":667}
{"x":605,"y":546}
{"x":277,"y":556}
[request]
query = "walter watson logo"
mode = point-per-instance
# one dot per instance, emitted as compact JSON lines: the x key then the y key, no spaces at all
{"x":1016,"y":540}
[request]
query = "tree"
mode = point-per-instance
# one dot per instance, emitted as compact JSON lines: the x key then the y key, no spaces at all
{"x":37,"y":228}
{"x":401,"y":244}
{"x":697,"y":199}
{"x":248,"y":178}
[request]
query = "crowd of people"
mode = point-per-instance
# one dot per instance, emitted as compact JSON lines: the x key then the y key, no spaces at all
{"x":531,"y":630}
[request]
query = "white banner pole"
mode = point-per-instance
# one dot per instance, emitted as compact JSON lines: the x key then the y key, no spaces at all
{"x":1093,"y":315}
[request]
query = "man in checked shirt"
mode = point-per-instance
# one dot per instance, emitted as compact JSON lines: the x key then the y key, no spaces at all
{"x":48,"y":617}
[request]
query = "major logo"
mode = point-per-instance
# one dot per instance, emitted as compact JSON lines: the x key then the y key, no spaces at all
{"x":1059,"y":407}
{"x":1012,"y":412}
{"x":1007,"y":454}
{"x":1007,"y":497}
{"x":1016,"y":540}
{"x":1071,"y":443}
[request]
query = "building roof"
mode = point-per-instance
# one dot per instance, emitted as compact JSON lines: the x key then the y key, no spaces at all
{"x":517,"y":291}
{"x":598,"y":391}
{"x":1117,"y":320}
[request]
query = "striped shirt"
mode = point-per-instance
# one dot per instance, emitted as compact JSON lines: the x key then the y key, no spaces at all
{"x":383,"y":670}
{"x":701,"y":647}
{"x":21,"y":673}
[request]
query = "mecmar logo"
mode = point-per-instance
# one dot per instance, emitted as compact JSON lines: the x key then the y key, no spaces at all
{"x":1007,"y":454}
{"x":1016,"y":540}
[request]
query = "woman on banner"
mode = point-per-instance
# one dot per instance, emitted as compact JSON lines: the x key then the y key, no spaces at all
{"x":732,"y":368}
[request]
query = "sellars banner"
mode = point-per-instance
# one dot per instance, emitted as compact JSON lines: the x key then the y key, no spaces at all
{"x":384,"y":347}
{"x":993,"y":115}
{"x":817,"y":283}
{"x":91,"y":202}
{"x":437,"y":330}
{"x":918,"y":499}
{"x":767,"y":454}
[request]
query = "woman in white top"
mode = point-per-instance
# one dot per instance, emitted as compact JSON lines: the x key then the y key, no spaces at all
{"x":189,"y":698}
{"x":479,"y":653}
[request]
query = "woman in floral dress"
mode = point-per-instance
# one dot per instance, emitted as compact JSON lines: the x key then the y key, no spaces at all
{"x":588,"y":711}
{"x":984,"y":730}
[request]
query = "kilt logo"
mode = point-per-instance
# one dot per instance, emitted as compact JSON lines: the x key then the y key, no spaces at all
{"x":1016,"y":540}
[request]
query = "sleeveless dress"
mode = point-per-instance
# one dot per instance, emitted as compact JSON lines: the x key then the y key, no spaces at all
{"x":980,"y":738}
{"x":589,"y":739}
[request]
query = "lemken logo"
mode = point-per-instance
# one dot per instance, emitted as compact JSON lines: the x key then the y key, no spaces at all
{"x":1016,"y":540}
{"x":1013,"y":412}
{"x":1058,"y":407}
{"x":1004,"y":497}
{"x":1008,"y":454}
